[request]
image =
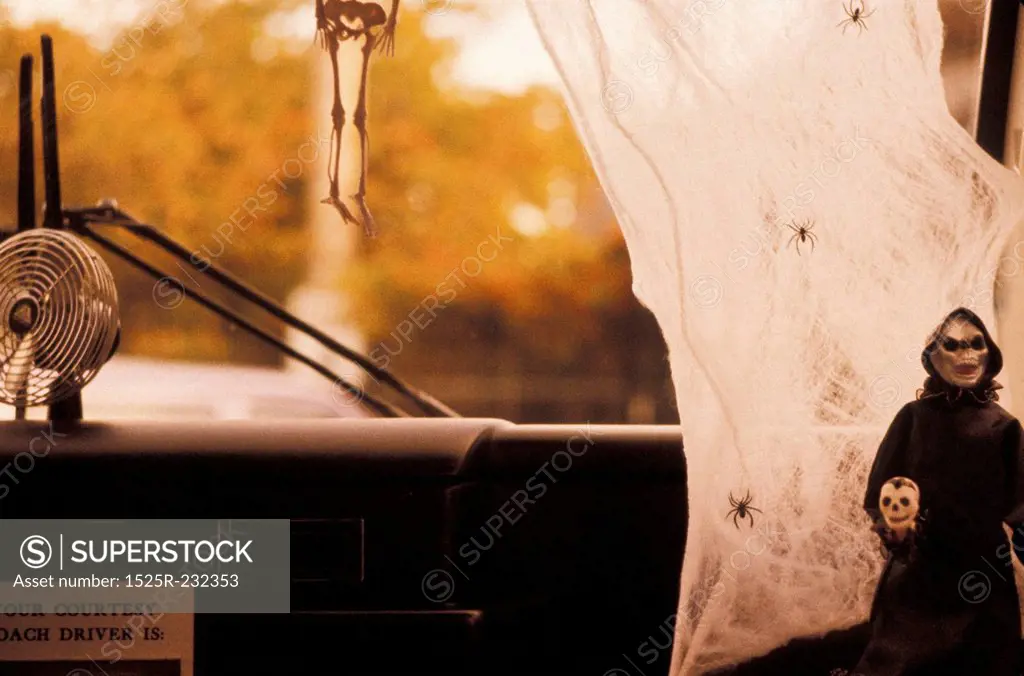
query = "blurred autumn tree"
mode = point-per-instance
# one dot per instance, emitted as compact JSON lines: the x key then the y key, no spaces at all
{"x":194,"y":115}
{"x":180,"y":126}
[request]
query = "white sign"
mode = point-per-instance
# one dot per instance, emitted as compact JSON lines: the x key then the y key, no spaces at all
{"x":91,"y":639}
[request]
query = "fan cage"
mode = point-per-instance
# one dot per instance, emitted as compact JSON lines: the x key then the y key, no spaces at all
{"x":72,"y":294}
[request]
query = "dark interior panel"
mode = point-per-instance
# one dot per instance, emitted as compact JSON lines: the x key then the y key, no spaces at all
{"x":578,"y":535}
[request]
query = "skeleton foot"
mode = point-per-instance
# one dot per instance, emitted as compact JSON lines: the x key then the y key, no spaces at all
{"x":365,"y":219}
{"x":369,"y":225}
{"x":346,"y":215}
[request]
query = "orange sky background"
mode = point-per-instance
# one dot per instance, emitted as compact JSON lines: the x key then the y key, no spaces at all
{"x":501,"y":52}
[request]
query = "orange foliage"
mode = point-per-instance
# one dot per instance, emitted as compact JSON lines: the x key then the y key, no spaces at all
{"x":185,"y":126}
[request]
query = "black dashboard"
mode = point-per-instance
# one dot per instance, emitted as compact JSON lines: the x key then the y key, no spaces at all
{"x":455,"y":546}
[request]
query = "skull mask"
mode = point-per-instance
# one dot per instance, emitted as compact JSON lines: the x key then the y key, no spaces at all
{"x":961,"y":354}
{"x":899,"y":501}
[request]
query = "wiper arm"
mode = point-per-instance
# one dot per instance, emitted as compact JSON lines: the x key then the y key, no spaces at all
{"x":79,"y":221}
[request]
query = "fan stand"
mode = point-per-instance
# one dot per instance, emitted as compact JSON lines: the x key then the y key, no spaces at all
{"x":66,"y":411}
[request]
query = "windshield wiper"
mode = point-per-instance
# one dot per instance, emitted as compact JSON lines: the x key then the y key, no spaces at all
{"x":83,"y":220}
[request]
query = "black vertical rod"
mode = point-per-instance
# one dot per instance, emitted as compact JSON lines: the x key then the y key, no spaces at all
{"x":26,"y":167}
{"x":997,"y":76}
{"x":26,"y":149}
{"x":52,"y":216}
{"x":66,"y":411}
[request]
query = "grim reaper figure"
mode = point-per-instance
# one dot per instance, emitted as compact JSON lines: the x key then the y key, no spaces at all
{"x":946,"y":603}
{"x":362,"y":26}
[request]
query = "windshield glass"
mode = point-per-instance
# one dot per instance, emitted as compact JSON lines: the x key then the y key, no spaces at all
{"x":499,"y":281}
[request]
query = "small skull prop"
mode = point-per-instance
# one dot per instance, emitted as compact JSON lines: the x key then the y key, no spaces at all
{"x":961,"y":354}
{"x":899,"y":501}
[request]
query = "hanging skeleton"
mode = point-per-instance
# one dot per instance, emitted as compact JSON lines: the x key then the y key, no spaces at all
{"x":363,"y":25}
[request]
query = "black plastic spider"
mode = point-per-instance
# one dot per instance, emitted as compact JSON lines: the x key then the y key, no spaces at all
{"x":855,"y":10}
{"x":802,"y":233}
{"x":741,"y":509}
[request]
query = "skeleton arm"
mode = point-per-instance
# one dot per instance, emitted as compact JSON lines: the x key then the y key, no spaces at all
{"x":387,"y":39}
{"x":322,"y":28}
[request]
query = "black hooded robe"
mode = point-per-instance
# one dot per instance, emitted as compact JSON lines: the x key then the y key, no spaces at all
{"x":949,"y":605}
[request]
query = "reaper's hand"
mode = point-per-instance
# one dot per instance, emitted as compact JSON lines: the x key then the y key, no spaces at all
{"x":889,"y":540}
{"x":897,"y":544}
{"x":900,"y":546}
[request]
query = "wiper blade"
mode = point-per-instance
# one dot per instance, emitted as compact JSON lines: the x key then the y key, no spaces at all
{"x":109,"y":214}
{"x":361,"y":396}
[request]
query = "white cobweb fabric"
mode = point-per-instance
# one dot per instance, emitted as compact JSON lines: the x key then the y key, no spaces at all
{"x":712,"y":125}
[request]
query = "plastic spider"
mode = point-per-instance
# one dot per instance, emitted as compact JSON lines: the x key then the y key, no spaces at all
{"x":855,"y":10}
{"x":741,"y":509}
{"x":802,"y":233}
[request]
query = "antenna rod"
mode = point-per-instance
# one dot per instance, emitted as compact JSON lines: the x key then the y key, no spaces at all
{"x":66,"y":411}
{"x":26,"y":149}
{"x":52,"y":216}
{"x":26,"y":174}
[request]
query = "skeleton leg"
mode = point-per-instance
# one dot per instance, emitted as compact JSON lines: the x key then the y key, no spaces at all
{"x":364,"y":139}
{"x":338,"y":126}
{"x":350,"y":198}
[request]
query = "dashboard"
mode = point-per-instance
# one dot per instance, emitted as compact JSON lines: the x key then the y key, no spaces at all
{"x":455,"y":546}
